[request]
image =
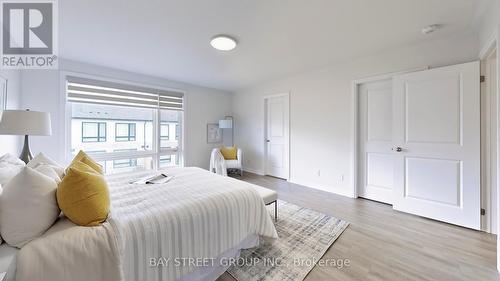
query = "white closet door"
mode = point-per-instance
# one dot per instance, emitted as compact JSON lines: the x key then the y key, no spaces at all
{"x":376,"y":160}
{"x":437,"y":144}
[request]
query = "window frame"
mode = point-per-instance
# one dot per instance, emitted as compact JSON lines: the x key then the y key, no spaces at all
{"x":98,"y":137}
{"x":129,"y":137}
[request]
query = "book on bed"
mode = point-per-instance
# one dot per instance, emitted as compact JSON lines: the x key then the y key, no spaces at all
{"x":157,"y":179}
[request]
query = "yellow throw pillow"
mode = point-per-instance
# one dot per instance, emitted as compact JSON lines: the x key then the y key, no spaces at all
{"x":83,"y":157}
{"x":83,"y":195}
{"x":229,"y":153}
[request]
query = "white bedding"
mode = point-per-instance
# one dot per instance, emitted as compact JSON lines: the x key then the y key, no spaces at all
{"x":195,"y":215}
{"x":70,"y":252}
{"x":8,"y":256}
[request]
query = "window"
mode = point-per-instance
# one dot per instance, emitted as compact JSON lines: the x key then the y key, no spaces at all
{"x":167,"y":159}
{"x":124,"y":163}
{"x":164,"y":135}
{"x":127,"y":166}
{"x":93,"y":132}
{"x":169,"y":119}
{"x":164,"y":131}
{"x":137,"y":114}
{"x":95,"y":151}
{"x":125,"y":132}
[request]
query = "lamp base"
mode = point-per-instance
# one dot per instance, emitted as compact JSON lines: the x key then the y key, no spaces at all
{"x":26,"y":155}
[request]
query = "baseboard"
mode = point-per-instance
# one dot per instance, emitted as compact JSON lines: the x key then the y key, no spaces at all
{"x":322,"y":187}
{"x":257,"y":172}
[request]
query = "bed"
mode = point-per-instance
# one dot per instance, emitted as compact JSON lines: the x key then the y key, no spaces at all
{"x":185,"y":229}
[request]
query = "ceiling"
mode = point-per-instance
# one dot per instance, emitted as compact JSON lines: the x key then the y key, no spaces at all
{"x":170,"y":39}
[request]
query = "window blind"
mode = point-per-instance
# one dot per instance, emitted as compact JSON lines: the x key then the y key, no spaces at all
{"x":85,"y":90}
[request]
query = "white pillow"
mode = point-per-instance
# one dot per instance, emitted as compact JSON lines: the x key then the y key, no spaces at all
{"x":40,"y":158}
{"x":49,"y":170}
{"x":9,"y":158}
{"x":28,"y":207}
{"x":9,"y":167}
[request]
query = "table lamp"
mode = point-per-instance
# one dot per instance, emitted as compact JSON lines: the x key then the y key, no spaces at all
{"x":27,"y":123}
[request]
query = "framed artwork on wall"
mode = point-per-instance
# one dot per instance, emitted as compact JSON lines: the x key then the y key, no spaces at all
{"x":213,"y":133}
{"x":3,"y":93}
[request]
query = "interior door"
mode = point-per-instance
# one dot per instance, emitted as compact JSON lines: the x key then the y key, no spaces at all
{"x":437,"y":144}
{"x":277,"y":136}
{"x":376,"y":160}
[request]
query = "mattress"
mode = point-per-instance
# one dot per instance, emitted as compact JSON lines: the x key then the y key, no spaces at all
{"x":196,"y":215}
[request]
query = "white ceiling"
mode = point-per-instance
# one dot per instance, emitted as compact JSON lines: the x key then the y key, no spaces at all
{"x":170,"y":39}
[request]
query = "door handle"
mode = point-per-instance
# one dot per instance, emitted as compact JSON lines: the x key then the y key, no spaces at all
{"x":397,"y":149}
{"x":268,"y":141}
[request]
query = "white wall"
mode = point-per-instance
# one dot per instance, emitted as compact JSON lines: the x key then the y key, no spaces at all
{"x":42,"y":91}
{"x":12,"y":144}
{"x":321,"y":125}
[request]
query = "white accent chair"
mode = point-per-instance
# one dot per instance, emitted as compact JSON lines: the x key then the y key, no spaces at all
{"x":236,"y":164}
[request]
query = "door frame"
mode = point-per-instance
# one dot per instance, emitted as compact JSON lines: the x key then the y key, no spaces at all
{"x":489,"y":169}
{"x":492,"y":43}
{"x":355,"y":121}
{"x":265,"y":98}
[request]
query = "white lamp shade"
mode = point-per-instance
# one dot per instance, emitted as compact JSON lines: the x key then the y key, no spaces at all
{"x":226,"y":124}
{"x":25,"y":122}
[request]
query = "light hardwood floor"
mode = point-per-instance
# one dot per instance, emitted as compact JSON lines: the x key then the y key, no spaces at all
{"x":383,"y":244}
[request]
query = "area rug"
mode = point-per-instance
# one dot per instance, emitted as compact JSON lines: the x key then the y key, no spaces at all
{"x":304,"y":237}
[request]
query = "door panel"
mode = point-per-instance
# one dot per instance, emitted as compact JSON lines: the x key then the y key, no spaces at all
{"x":276,"y":152}
{"x":442,"y":182}
{"x":379,"y":114}
{"x":376,"y":162}
{"x":433,"y":109}
{"x":276,"y":116}
{"x":277,"y":136}
{"x":379,"y":170}
{"x":436,"y":123}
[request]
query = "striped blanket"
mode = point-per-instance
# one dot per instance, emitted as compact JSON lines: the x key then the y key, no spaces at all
{"x":183,"y":223}
{"x":180,"y":225}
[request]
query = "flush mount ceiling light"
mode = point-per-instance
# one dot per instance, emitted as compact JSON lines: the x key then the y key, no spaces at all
{"x":430,"y":28}
{"x":223,"y":43}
